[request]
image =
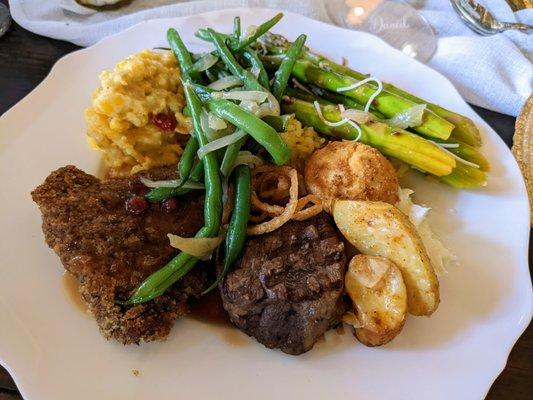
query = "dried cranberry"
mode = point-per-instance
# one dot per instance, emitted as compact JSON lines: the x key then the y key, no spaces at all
{"x":169,"y":205}
{"x":136,"y":205}
{"x":166,"y":122}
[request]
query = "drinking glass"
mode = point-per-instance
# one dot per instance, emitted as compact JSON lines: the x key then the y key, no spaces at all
{"x":5,"y":19}
{"x":397,"y":22}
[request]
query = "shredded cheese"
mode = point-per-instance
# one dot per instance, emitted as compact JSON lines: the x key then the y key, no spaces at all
{"x":338,"y":123}
{"x":298,"y":85}
{"x":443,"y":148}
{"x":361,"y":83}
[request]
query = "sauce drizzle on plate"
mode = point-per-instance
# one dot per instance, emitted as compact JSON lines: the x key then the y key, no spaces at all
{"x":210,"y":311}
{"x":71,"y":288}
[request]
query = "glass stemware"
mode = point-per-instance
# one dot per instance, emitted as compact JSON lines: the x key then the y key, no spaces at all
{"x":5,"y":19}
{"x":394,"y":21}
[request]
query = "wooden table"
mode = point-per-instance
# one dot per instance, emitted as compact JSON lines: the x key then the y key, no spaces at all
{"x":25,"y":59}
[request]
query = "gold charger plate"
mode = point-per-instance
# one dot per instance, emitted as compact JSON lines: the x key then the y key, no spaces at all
{"x":523,"y":147}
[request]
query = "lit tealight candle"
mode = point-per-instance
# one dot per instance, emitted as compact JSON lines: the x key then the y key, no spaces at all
{"x":358,"y":10}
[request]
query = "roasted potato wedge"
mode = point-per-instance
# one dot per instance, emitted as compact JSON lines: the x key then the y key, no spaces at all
{"x":379,"y":297}
{"x":380,"y":229}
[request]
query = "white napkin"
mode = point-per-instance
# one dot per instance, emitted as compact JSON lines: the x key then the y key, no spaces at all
{"x":493,"y":72}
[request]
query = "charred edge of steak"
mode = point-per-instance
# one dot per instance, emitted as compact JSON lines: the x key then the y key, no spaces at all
{"x":111,"y":251}
{"x":287,"y":288}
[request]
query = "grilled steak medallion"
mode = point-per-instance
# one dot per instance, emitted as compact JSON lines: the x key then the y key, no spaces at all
{"x":110,"y":249}
{"x":286,"y":290}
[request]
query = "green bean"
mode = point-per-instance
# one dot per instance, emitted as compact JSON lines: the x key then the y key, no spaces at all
{"x":233,"y":65}
{"x":203,"y":92}
{"x":236,"y":235}
{"x":245,"y":42}
{"x":185,"y":59}
{"x":197,"y":174}
{"x":213,"y":196}
{"x":211,"y":77}
{"x":187,"y":159}
{"x":279,"y":122}
{"x":253,"y":59}
{"x":282,"y":75}
{"x":203,"y":34}
{"x":259,"y":31}
{"x":159,"y":194}
{"x":158,"y":282}
{"x":232,"y":151}
{"x":218,"y":71}
{"x":186,"y":112}
{"x":255,"y":127}
{"x":237,"y":28}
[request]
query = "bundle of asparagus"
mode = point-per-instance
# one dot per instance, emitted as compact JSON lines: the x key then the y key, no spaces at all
{"x":445,"y":144}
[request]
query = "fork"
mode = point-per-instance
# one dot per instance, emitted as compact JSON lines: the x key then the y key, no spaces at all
{"x":480,"y":20}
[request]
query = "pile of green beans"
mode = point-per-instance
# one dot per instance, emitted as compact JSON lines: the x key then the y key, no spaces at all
{"x":232,"y":50}
{"x":158,"y":282}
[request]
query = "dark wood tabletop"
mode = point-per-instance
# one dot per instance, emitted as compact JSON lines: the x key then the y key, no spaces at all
{"x":25,"y":60}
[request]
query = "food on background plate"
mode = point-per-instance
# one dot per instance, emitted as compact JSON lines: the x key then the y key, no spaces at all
{"x":269,"y":139}
{"x":103,"y":4}
{"x":376,"y":288}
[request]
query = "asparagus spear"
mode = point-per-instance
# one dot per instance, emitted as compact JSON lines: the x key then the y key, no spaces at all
{"x":386,"y":103}
{"x":468,"y":153}
{"x":327,"y":97}
{"x":405,"y":146}
{"x":465,"y":177}
{"x":309,"y":97}
{"x":465,"y":130}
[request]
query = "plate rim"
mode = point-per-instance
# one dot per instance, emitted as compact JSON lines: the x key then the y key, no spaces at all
{"x":236,"y":10}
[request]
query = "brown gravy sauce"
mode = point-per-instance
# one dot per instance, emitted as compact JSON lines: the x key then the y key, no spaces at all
{"x":71,"y":288}
{"x":209,"y":310}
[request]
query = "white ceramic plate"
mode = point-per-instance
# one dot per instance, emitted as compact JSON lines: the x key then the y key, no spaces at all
{"x":54,"y":352}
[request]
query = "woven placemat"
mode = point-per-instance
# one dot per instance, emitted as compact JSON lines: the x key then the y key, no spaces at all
{"x":523,"y":147}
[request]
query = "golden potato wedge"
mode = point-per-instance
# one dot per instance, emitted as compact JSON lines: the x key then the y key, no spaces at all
{"x":380,"y":229}
{"x":379,"y":297}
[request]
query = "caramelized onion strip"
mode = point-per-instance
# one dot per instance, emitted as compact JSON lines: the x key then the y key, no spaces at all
{"x":288,"y":212}
{"x":303,"y":213}
{"x":270,"y":209}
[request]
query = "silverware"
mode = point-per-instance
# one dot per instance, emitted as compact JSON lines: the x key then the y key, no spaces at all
{"x":480,"y":20}
{"x":5,"y":19}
